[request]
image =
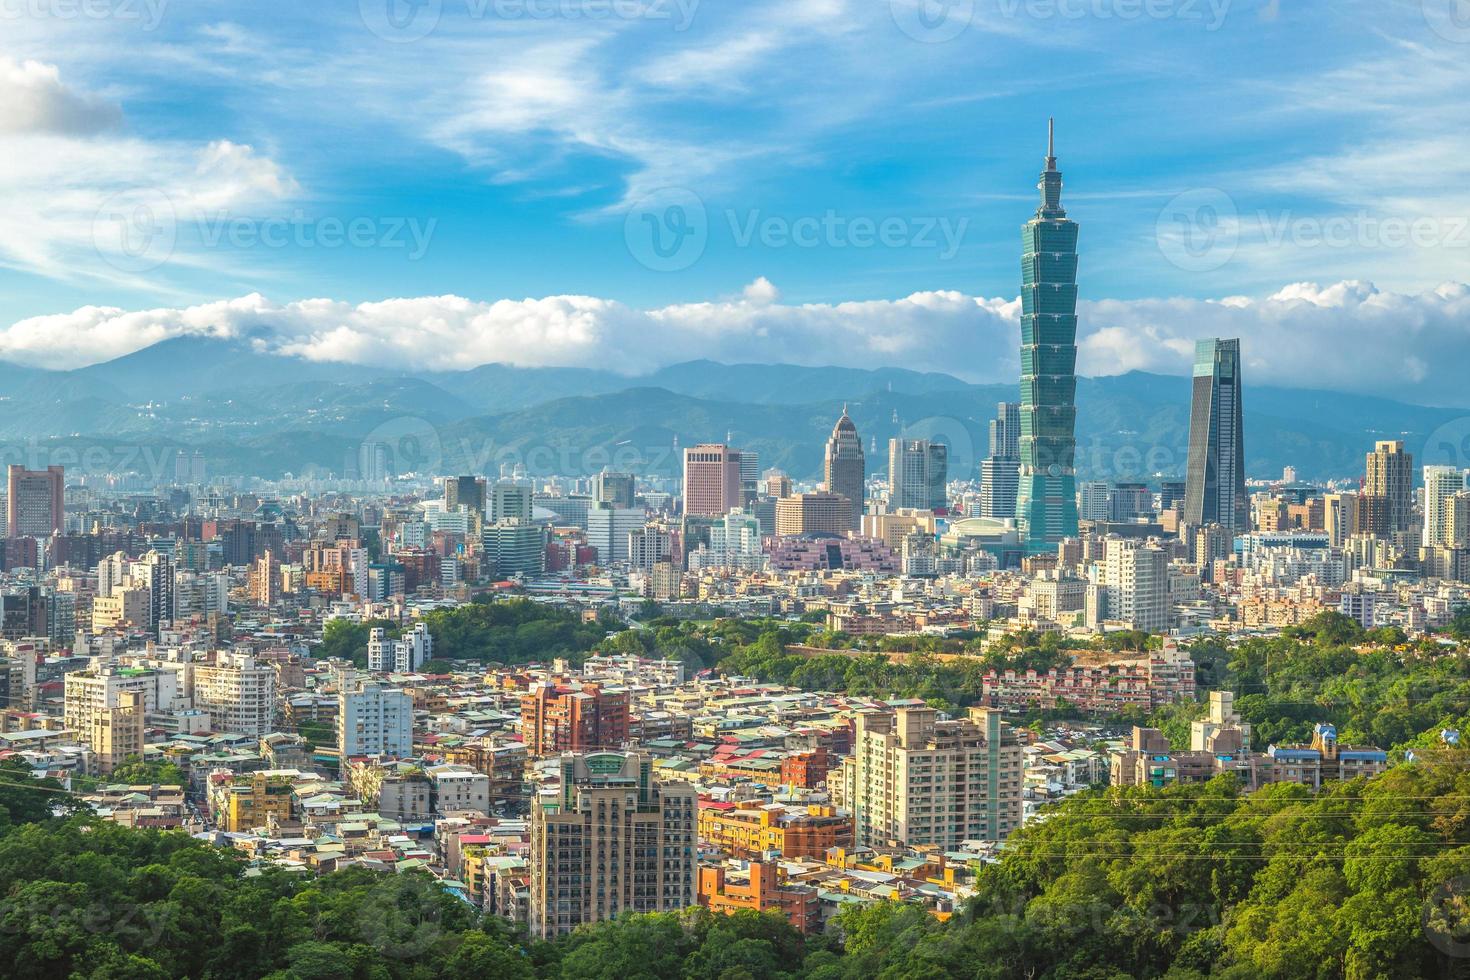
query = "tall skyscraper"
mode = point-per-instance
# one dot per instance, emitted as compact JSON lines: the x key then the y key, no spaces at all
{"x":918,"y":474}
{"x":1387,"y":504}
{"x":1046,"y":503}
{"x":712,"y":486}
{"x":1000,"y":472}
{"x":1214,"y":485}
{"x":844,"y":468}
{"x":1441,"y":483}
{"x":35,"y":501}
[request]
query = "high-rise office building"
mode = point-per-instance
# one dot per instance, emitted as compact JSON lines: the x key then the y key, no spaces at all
{"x":918,"y":474}
{"x":1387,"y":504}
{"x":515,"y":547}
{"x":510,"y":500}
{"x":750,"y":475}
{"x":712,"y":480}
{"x":35,"y":501}
{"x":1095,"y":501}
{"x":1000,"y":472}
{"x":610,"y":839}
{"x":1339,"y":517}
{"x":608,"y":528}
{"x":1441,"y":483}
{"x":912,"y":779}
{"x":1214,"y":485}
{"x":844,"y":468}
{"x":617,"y":489}
{"x":734,"y":541}
{"x":813,"y":513}
{"x":1046,"y":502}
{"x":465,"y":491}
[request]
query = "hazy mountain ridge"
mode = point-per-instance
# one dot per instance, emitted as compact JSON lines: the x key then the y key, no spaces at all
{"x":252,"y":411}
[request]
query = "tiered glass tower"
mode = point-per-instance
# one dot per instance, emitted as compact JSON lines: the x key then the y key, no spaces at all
{"x":1046,"y":504}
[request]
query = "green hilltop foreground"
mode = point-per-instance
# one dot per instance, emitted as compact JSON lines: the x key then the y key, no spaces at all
{"x":1368,"y":879}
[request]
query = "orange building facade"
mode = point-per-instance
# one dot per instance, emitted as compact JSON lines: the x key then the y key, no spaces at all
{"x":753,"y":830}
{"x":763,"y":891}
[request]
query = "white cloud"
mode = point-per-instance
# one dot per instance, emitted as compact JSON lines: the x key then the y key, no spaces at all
{"x":1348,"y":335}
{"x":33,"y":99}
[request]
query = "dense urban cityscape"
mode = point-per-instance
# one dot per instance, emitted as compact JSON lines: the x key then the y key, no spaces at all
{"x":740,"y":638}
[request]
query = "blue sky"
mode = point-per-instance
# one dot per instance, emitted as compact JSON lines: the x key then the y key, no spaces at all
{"x":827,"y":160}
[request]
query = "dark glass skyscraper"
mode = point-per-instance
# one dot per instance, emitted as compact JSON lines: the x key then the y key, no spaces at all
{"x":1214,"y":486}
{"x":1046,"y":505}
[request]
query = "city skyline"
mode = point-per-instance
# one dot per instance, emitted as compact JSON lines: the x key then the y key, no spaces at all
{"x":516,"y":241}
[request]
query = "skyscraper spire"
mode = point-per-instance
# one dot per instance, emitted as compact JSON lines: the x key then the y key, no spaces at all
{"x":1050,"y":184}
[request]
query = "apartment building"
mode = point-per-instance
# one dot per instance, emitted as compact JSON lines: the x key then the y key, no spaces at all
{"x":238,"y":694}
{"x":913,"y":778}
{"x":558,"y":717}
{"x":373,"y":719}
{"x":609,"y":840}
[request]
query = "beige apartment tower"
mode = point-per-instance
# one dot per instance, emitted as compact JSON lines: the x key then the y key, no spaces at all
{"x":610,"y":840}
{"x":913,"y":779}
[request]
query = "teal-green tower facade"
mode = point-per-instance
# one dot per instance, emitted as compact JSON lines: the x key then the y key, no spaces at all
{"x":1046,"y":504}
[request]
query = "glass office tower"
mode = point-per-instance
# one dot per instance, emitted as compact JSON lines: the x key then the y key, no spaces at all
{"x":1214,"y":485}
{"x":1046,"y":505}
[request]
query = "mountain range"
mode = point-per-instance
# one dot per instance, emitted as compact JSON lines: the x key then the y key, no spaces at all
{"x":254,"y":412}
